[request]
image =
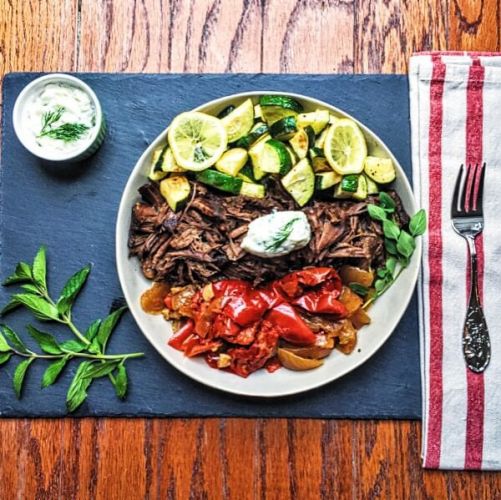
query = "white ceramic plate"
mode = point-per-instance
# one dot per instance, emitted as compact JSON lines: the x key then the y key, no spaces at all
{"x":385,"y":314}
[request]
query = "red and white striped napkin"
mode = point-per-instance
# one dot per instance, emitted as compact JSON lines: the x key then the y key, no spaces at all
{"x":455,"y":101}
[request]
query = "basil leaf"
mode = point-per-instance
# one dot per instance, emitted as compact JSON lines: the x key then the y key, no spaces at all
{"x":359,"y":289}
{"x":14,"y":339}
{"x":46,"y":341}
{"x":42,"y":309}
{"x":107,"y":326}
{"x":382,"y":272}
{"x":53,"y":371}
{"x":120,"y":381}
{"x":405,"y":244}
{"x":40,"y":268}
{"x":387,"y":202}
{"x":379,"y":285}
{"x":4,"y":346}
{"x":10,"y":306}
{"x":77,"y":391}
{"x":21,"y":273}
{"x":390,"y":246}
{"x":4,"y":357}
{"x":417,"y":224}
{"x":20,"y":374}
{"x":390,"y":229}
{"x":391,"y":264}
{"x":71,"y":289}
{"x":376,"y":213}
{"x":100,"y":369}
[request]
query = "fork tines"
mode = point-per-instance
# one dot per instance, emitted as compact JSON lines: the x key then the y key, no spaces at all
{"x":468,"y":193}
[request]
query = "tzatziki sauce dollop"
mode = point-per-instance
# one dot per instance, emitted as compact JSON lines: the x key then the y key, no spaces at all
{"x":60,"y":117}
{"x":277,"y":234}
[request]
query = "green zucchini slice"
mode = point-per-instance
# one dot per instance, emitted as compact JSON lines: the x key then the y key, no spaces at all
{"x":380,"y":170}
{"x":274,"y":158}
{"x":300,"y":182}
{"x":284,"y":129}
{"x":325,"y":180}
{"x":239,"y":122}
{"x":276,"y":107}
{"x":232,"y":161}
{"x":218,"y":180}
{"x":252,"y":190}
{"x":257,"y":131}
{"x":176,"y":190}
{"x":318,"y":120}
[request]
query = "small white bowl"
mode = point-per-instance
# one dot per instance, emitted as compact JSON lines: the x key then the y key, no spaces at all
{"x":86,"y":149}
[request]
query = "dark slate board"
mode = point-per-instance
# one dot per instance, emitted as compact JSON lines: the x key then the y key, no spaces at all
{"x":73,"y":212}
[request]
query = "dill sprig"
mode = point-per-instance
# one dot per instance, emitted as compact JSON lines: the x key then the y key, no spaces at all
{"x":281,"y":235}
{"x":67,"y":132}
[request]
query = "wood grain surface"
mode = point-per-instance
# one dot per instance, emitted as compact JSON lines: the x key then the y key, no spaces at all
{"x":231,"y":458}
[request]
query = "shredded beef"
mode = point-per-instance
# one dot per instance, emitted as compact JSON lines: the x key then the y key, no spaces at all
{"x":202,"y":242}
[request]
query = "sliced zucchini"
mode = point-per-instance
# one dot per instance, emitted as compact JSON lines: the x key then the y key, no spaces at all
{"x":274,"y":158}
{"x":258,"y":115}
{"x":169,"y":164}
{"x":315,"y":152}
{"x":252,"y":190}
{"x":300,"y":143}
{"x":156,"y":172}
{"x":246,"y":174}
{"x":284,"y":129}
{"x":254,"y":153}
{"x":300,"y":182}
{"x":176,"y":190}
{"x":257,"y":131}
{"x":380,"y":170}
{"x":316,"y":119}
{"x":349,"y":183}
{"x":276,"y":107}
{"x":223,"y":182}
{"x":372,"y":187}
{"x":321,"y":164}
{"x":232,"y":161}
{"x":325,"y":180}
{"x":352,"y":186}
{"x":226,"y":111}
{"x":311,"y":136}
{"x":293,"y":156}
{"x":320,"y":141}
{"x":239,"y":122}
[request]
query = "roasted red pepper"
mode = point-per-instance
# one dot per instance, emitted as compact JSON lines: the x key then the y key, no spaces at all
{"x":168,"y":302}
{"x":230,"y":287}
{"x":290,"y":325}
{"x":323,"y":302}
{"x":246,"y":309}
{"x":181,"y":335}
{"x":292,"y":284}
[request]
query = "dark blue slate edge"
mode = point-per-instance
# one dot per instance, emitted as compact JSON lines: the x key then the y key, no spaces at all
{"x":383,"y":388}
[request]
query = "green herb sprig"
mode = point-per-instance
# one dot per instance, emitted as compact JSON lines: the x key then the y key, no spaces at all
{"x":67,"y":132}
{"x":281,"y":236}
{"x":88,"y":347}
{"x":399,"y":242}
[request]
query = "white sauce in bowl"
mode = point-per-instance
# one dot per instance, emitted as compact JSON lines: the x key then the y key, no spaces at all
{"x":73,"y":106}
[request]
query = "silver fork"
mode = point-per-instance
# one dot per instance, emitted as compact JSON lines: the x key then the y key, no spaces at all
{"x":468,"y":221}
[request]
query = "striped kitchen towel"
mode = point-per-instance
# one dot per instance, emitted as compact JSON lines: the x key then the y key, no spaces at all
{"x":455,"y":101}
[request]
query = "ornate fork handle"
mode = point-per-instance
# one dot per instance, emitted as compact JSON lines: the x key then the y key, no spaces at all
{"x":476,"y":342}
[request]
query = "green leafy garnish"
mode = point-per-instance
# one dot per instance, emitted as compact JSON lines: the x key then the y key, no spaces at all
{"x":399,"y":242}
{"x":67,"y":132}
{"x":281,"y":236}
{"x":89,"y":347}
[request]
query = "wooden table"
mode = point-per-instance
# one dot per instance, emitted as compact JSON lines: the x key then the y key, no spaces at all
{"x":231,"y":458}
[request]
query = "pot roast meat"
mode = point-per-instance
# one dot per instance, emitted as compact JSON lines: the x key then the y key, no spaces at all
{"x":202,"y":242}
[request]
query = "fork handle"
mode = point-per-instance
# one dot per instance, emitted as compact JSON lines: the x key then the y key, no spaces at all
{"x":476,"y":342}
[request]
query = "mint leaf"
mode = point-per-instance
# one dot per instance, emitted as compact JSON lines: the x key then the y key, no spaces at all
{"x":29,"y":287}
{"x":376,"y":213}
{"x":46,"y":341}
{"x":71,"y":289}
{"x":93,"y":329}
{"x":21,"y":273}
{"x":4,"y":357}
{"x":42,"y":309}
{"x":10,"y":306}
{"x":40,"y":268}
{"x":391,"y":230}
{"x":107,"y":326}
{"x":20,"y":374}
{"x":100,"y":369}
{"x":4,"y":346}
{"x":72,"y":345}
{"x":53,"y":371}
{"x":120,"y":381}
{"x":77,"y":391}
{"x":14,"y":339}
{"x":417,"y":224}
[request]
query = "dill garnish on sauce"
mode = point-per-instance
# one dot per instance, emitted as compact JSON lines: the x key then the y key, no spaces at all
{"x":67,"y":132}
{"x":281,"y":235}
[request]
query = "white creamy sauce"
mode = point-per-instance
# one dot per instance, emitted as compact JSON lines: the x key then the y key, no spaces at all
{"x":77,"y":108}
{"x":276,"y":234}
